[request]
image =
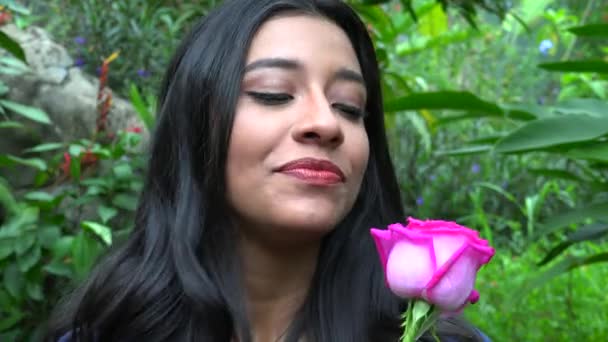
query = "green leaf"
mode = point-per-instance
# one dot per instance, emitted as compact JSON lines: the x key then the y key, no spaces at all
{"x":598,"y":211}
{"x":567,"y":264}
{"x":59,"y":269}
{"x":85,"y":251}
{"x":434,"y":23}
{"x":31,"y":113}
{"x":34,"y":291}
{"x":598,"y":66}
{"x":593,"y":107}
{"x":6,"y":197}
{"x":62,"y":246}
{"x":104,"y":232}
{"x":13,"y":280}
{"x":24,"y":242}
{"x":543,"y":133}
{"x":592,"y":151}
{"x":500,"y":191}
{"x":29,"y":259}
{"x":37,"y":163}
{"x":556,"y":173}
{"x":465,"y":151}
{"x":125,"y":201}
{"x":11,"y":124}
{"x":48,"y":236}
{"x":14,"y":317}
{"x":39,"y":196}
{"x":12,"y":46}
{"x":590,"y":30}
{"x":123,"y":171}
{"x":586,"y":233}
{"x":44,"y":148}
{"x":140,"y":107}
{"x":106,"y":213}
{"x":527,"y":111}
{"x":454,"y":100}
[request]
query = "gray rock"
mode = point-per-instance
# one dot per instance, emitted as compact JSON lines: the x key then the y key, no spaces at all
{"x":62,"y":90}
{"x":55,"y":85}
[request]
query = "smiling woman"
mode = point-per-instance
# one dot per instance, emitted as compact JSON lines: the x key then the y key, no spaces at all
{"x":268,"y":166}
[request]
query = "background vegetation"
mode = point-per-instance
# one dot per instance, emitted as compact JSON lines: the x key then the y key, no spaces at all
{"x":497,"y":117}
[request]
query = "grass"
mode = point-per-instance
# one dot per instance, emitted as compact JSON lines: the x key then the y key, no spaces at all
{"x":570,"y":307}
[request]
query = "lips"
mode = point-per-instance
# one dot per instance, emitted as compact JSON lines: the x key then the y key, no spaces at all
{"x":318,"y":171}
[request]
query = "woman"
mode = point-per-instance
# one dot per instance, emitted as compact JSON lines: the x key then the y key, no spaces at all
{"x":269,"y":165}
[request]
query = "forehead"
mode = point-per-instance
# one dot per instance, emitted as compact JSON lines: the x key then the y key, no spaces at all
{"x":306,"y":38}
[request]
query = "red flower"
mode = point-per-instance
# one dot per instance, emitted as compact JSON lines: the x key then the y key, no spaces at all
{"x":5,"y":17}
{"x":65,"y":166}
{"x":89,"y":158}
{"x":134,"y":129}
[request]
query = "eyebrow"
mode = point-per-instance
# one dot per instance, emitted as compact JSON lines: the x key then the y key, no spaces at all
{"x":343,"y":74}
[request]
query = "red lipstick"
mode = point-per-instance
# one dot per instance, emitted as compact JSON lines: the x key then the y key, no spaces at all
{"x":313,"y":171}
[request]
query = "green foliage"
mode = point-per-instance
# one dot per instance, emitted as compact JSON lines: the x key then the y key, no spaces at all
{"x":51,"y":235}
{"x":567,"y":307}
{"x":145,"y":32}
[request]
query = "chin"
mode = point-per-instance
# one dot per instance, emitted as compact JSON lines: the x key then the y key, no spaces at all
{"x":313,"y":221}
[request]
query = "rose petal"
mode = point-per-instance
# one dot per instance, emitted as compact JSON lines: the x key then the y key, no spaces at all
{"x":409,"y":268}
{"x":446,"y":245}
{"x":453,"y":289}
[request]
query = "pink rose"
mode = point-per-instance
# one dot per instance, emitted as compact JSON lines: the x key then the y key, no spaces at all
{"x":436,"y":261}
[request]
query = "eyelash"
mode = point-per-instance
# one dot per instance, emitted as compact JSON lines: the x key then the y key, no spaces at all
{"x":277,"y":99}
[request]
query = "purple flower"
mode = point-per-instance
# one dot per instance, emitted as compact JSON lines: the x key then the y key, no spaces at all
{"x":475,"y":168}
{"x":143,"y":73}
{"x":80,"y":40}
{"x":545,"y":46}
{"x":420,"y":201}
{"x":432,"y":177}
{"x":80,"y":62}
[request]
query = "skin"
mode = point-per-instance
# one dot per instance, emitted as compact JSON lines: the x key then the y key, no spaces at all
{"x":281,"y":218}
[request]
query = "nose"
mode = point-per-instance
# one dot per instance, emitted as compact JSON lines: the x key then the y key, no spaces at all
{"x":318,"y":123}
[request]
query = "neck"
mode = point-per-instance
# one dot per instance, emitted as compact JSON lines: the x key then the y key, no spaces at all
{"x":276,"y":281}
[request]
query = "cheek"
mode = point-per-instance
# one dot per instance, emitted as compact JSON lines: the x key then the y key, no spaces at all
{"x":360,"y":154}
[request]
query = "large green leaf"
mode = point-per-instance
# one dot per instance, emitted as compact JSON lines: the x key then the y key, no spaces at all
{"x":593,"y":151}
{"x":553,"y":131}
{"x":598,"y":211}
{"x":586,"y":233}
{"x":590,"y":30}
{"x":593,"y":107}
{"x":9,"y":44}
{"x":433,"y":23}
{"x":567,"y":264}
{"x":598,"y":66}
{"x":454,"y":100}
{"x":31,"y":113}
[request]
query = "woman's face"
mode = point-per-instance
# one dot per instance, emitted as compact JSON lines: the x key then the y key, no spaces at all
{"x":298,"y":149}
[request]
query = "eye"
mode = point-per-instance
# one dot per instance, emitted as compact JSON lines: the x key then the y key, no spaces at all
{"x":351,"y":111}
{"x":270,"y":99}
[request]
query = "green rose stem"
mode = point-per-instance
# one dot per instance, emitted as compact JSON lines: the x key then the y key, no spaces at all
{"x":417,"y":319}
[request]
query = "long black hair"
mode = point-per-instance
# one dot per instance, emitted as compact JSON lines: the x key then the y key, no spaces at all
{"x":177,"y":276}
